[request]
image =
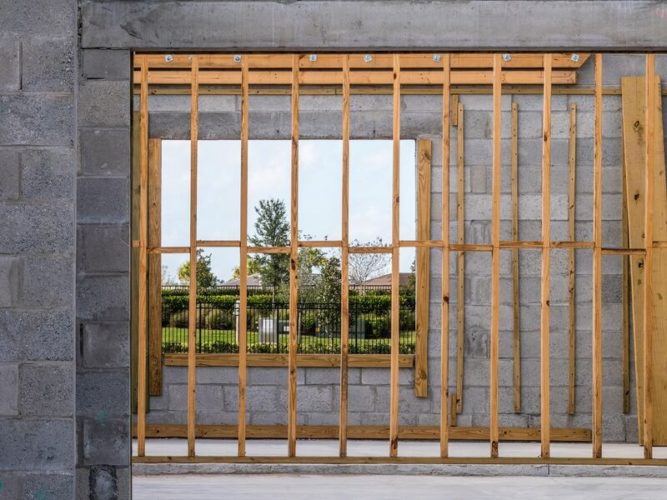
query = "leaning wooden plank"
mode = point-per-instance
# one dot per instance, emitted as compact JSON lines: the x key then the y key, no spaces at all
{"x":647,"y":312}
{"x":634,"y":144}
{"x":375,"y":432}
{"x":423,"y":263}
{"x":345,"y":256}
{"x":294,"y":256}
{"x":626,"y":297}
{"x":494,"y":342}
{"x":395,"y":237}
{"x":516,"y":303}
{"x":243,"y":262}
{"x":597,"y":264}
{"x":460,"y":258}
{"x":142,"y":315}
{"x":444,"y":218}
{"x":545,"y":357}
{"x":571,"y":285}
{"x":192,"y":305}
{"x":154,"y":269}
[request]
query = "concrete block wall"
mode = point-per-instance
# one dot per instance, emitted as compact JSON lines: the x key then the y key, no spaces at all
{"x":369,"y":388}
{"x":37,"y":226}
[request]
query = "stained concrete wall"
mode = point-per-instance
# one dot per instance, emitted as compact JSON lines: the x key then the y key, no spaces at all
{"x":371,"y":117}
{"x":64,"y":116}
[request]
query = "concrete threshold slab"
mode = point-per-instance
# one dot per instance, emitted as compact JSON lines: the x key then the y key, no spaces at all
{"x":481,"y":470}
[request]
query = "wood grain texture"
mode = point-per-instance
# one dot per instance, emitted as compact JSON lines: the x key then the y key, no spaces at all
{"x":304,"y":360}
{"x":444,"y":217}
{"x":423,"y":266}
{"x":634,"y":148}
{"x":154,"y":268}
{"x":545,"y":305}
{"x":572,"y":255}
{"x":192,"y":305}
{"x":494,"y":341}
{"x":395,"y":262}
{"x":460,"y":258}
{"x":516,"y":282}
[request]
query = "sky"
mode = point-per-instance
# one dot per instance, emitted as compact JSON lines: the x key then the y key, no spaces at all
{"x":269,"y":163}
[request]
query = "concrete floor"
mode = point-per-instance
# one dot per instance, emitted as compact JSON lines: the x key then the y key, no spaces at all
{"x":325,"y":487}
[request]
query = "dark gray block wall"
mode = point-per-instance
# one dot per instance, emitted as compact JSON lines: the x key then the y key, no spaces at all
{"x":38,"y":162}
{"x":65,"y":163}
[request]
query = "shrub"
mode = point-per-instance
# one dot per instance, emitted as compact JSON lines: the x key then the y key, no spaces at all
{"x":378,"y":327}
{"x":179,"y":319}
{"x":173,"y":347}
{"x":221,"y":347}
{"x":218,"y":319}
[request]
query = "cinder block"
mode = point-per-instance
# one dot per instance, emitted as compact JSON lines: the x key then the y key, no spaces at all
{"x":103,"y":482}
{"x":47,"y":281}
{"x":103,"y":394}
{"x":360,"y":398}
{"x":47,"y":485}
{"x":105,"y":151}
{"x":103,"y":248}
{"x":314,"y":398}
{"x":104,"y":103}
{"x":103,"y":298}
{"x":11,"y":270}
{"x":210,"y":375}
{"x":103,"y":200}
{"x":37,"y":444}
{"x":106,"y":64}
{"x":37,"y":119}
{"x":37,"y":229}
{"x":105,"y":442}
{"x":272,"y":376}
{"x":48,"y":175}
{"x":36,"y":335}
{"x":9,"y":174}
{"x":263,"y":399}
{"x":9,"y":389}
{"x":46,"y":389}
{"x":48,"y":64}
{"x":10,"y":78}
{"x":106,"y":345}
{"x":208,"y":397}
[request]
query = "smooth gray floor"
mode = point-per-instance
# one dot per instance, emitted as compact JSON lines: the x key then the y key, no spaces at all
{"x":326,"y":487}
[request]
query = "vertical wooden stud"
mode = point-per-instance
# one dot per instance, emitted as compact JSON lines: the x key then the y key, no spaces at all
{"x":422,"y":268}
{"x":460,"y":256}
{"x":597,"y":264}
{"x":545,"y":384}
{"x":516,"y":338}
{"x":154,"y":268}
{"x":650,"y":92}
{"x":572,"y":268}
{"x":294,"y":255}
{"x":142,"y":318}
{"x":495,"y":255}
{"x":243,"y":261}
{"x":344,"y":275}
{"x":395,"y":237}
{"x":192,"y":309}
{"x":444,"y":217}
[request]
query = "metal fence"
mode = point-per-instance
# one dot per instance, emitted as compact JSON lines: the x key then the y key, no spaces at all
{"x":318,"y":326}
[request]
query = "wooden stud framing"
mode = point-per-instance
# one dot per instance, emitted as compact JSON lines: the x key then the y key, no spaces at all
{"x":243,"y":261}
{"x":142,"y":318}
{"x":597,"y":264}
{"x":294,"y":256}
{"x":572,"y":268}
{"x":460,"y":258}
{"x":516,"y":337}
{"x":647,"y":313}
{"x":423,"y":266}
{"x":395,"y":263}
{"x":545,"y":385}
{"x":444,"y":217}
{"x":494,"y":342}
{"x":345,"y":256}
{"x":154,"y":269}
{"x":192,"y":305}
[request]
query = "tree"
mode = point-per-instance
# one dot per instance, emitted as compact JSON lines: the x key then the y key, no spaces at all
{"x":272,"y":230}
{"x":253,"y":268}
{"x":205,"y":276}
{"x":364,"y":266}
